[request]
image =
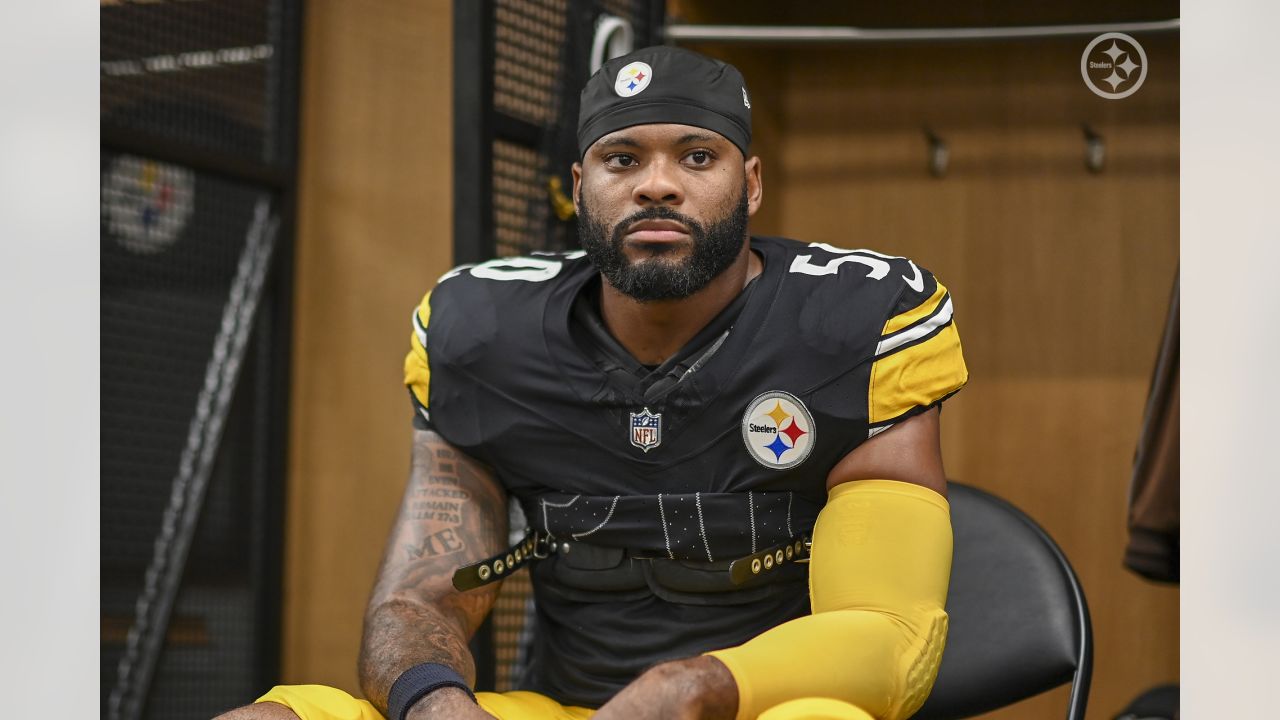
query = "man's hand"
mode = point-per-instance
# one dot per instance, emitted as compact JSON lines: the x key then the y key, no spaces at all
{"x":699,"y":688}
{"x":447,"y":702}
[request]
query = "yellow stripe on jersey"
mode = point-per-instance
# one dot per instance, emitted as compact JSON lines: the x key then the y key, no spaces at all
{"x":916,"y":376}
{"x":920,"y":312}
{"x":417,"y":372}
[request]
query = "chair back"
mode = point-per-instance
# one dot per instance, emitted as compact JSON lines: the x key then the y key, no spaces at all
{"x":1019,"y":621}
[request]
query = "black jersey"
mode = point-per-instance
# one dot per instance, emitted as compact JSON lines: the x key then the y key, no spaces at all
{"x":722,"y":450}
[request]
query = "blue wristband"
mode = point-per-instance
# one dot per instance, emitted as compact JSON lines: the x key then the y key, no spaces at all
{"x":414,"y":684}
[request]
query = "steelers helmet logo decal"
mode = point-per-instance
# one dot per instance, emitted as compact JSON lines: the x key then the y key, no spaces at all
{"x":147,"y":204}
{"x":778,"y":430}
{"x":633,"y":79}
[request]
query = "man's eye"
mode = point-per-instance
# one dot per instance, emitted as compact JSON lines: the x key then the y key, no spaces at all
{"x":620,"y":161}
{"x":700,"y":157}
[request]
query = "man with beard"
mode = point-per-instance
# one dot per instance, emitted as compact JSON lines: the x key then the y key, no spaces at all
{"x":725,"y":448}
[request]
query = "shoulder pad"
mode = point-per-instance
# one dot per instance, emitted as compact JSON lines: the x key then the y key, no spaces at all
{"x":917,"y":361}
{"x":459,"y":318}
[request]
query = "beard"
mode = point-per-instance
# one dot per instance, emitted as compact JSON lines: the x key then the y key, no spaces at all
{"x":655,"y":277}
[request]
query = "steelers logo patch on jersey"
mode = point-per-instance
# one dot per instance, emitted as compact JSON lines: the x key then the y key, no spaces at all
{"x":778,"y":430}
{"x":633,"y":79}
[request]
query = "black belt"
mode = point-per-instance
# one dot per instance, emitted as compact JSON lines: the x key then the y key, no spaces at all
{"x":537,"y":545}
{"x":796,"y":549}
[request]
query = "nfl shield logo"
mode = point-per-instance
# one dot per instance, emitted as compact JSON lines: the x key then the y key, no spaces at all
{"x":646,"y":430}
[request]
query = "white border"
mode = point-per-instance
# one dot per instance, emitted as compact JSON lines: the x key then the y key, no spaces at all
{"x":1230,"y":255}
{"x":50,"y":431}
{"x":49,"y":367}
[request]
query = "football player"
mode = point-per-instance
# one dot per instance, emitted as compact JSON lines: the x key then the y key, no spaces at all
{"x":725,"y":449}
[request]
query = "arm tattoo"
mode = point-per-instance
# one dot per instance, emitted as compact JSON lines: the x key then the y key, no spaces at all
{"x":453,"y":513}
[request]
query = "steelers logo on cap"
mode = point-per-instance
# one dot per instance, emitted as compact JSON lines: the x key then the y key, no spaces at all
{"x":778,"y":430}
{"x":633,"y":79}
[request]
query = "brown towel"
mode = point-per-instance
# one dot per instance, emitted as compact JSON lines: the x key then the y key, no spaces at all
{"x":1153,"y":495}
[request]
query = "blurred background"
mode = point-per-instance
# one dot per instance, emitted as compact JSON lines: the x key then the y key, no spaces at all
{"x":281,"y":182}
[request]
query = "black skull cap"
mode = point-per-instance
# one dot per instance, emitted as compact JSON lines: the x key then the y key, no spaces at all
{"x":663,"y":84}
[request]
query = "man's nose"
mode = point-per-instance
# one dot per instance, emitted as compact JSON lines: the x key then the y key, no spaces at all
{"x":658,"y":184}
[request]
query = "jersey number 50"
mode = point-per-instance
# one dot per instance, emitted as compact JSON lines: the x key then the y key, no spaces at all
{"x":529,"y":269}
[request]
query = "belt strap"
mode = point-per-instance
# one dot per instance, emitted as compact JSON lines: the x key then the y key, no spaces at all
{"x":537,"y":545}
{"x":794,"y":550}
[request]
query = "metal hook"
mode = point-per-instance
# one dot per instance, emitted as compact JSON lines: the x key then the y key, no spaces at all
{"x":939,"y":154}
{"x":1095,"y":149}
{"x":614,"y":37}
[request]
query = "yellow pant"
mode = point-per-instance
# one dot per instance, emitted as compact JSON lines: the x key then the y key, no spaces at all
{"x":318,"y":702}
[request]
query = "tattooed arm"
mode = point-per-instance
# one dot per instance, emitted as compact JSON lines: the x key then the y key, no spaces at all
{"x":453,"y":513}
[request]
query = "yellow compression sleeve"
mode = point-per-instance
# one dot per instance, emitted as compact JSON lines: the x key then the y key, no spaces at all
{"x":878,"y":575}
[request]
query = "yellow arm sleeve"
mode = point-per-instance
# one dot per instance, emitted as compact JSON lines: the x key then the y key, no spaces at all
{"x":878,"y":575}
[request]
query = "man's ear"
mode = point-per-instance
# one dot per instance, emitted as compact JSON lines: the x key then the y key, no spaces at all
{"x":576,"y":170}
{"x":755,"y":184}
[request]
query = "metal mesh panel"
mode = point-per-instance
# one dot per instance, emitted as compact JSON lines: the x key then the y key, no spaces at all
{"x":171,"y":239}
{"x":204,"y":74}
{"x":193,"y":94}
{"x":509,"y":617}
{"x":164,"y":282}
{"x":528,"y":37}
{"x":210,"y":640}
{"x":520,"y":205}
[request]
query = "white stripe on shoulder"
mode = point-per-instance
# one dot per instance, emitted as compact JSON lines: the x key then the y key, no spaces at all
{"x":872,"y":432}
{"x":419,"y":329}
{"x":915,"y":332}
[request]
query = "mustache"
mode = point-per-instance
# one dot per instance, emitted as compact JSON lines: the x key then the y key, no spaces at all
{"x":660,"y":212}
